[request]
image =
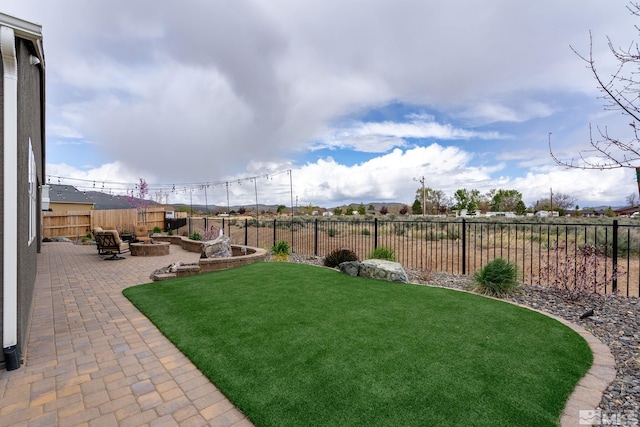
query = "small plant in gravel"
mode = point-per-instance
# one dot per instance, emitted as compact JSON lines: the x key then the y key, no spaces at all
{"x":338,"y":256}
{"x":382,"y":253}
{"x":280,"y":251}
{"x":498,"y":278}
{"x":156,"y":230}
{"x":195,"y":236}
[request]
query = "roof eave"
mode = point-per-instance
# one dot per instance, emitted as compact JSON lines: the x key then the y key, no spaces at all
{"x":25,"y":30}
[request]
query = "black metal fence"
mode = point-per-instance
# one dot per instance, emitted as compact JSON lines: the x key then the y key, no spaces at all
{"x":590,"y":253}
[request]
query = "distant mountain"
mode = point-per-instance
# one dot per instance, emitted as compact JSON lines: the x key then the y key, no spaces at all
{"x":250,"y":209}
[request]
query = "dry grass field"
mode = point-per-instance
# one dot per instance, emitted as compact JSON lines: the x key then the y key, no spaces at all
{"x":544,"y":253}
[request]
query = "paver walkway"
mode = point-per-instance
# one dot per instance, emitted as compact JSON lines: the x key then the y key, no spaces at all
{"x":94,"y":360}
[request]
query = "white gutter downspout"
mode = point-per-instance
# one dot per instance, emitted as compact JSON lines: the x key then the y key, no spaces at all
{"x":10,"y":225}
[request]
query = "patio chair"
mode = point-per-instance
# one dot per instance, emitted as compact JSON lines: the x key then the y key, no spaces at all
{"x":141,"y":234}
{"x":109,"y":243}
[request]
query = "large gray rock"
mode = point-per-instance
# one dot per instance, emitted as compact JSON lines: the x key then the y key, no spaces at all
{"x":383,"y":270}
{"x":220,"y":247}
{"x":352,"y":268}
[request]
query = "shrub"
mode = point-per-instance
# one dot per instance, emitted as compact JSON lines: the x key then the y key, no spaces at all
{"x":195,"y":236}
{"x":383,"y":253}
{"x":498,"y":278}
{"x":578,"y":274}
{"x":280,"y":251}
{"x":157,"y":229}
{"x":280,"y":248}
{"x":339,"y":256}
{"x":366,"y":232}
{"x":332,"y":232}
{"x":170,"y":232}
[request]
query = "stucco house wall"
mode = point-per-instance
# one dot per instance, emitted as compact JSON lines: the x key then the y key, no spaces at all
{"x":30,"y":151}
{"x":70,"y":206}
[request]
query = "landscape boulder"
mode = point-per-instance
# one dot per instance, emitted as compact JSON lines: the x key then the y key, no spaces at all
{"x":220,"y":247}
{"x":352,"y":268}
{"x":383,"y":270}
{"x":375,"y":269}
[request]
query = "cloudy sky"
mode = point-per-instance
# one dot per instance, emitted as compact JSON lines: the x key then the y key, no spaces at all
{"x":357,"y":99}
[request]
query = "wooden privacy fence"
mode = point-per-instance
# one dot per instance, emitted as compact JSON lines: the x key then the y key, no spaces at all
{"x":74,"y":224}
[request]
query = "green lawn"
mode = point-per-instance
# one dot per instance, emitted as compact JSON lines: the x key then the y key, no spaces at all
{"x":292,"y":344}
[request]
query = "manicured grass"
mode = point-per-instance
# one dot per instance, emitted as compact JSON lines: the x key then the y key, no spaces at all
{"x":291,"y":344}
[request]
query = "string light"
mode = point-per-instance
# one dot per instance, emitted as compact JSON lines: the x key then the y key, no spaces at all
{"x":124,"y":187}
{"x":128,"y":189}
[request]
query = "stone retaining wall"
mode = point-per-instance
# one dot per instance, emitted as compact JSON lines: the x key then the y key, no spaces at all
{"x":149,"y":249}
{"x":242,"y":255}
{"x":184,"y":242}
{"x":214,"y":264}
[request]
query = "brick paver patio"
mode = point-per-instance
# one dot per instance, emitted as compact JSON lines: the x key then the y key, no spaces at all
{"x":93,"y":360}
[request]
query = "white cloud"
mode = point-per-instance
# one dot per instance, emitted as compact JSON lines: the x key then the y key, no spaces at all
{"x":380,"y":137}
{"x":115,"y":178}
{"x":491,"y":112}
{"x":202,"y":91}
{"x":590,"y":187}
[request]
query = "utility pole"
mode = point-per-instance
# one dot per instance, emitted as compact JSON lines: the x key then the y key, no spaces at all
{"x":551,"y":200}
{"x":228,"y":207}
{"x":421,"y":181}
{"x":291,"y":189}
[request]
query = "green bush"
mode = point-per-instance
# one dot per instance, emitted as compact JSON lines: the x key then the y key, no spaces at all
{"x":280,"y":251}
{"x":157,"y":229}
{"x":339,"y":256}
{"x":498,"y":278}
{"x":383,"y":253}
{"x":170,"y":232}
{"x":332,"y":232}
{"x":195,"y":236}
{"x":280,"y":248}
{"x":365,"y":232}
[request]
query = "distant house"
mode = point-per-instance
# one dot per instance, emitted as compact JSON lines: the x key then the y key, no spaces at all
{"x":548,"y":214}
{"x":64,"y":198}
{"x":22,"y":141}
{"x":625,"y":210}
{"x":603,"y":210}
{"x":589,"y":212}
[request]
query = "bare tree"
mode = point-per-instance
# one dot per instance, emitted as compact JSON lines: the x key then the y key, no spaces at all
{"x":433,"y":199}
{"x":620,"y":92}
{"x":561,"y":201}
